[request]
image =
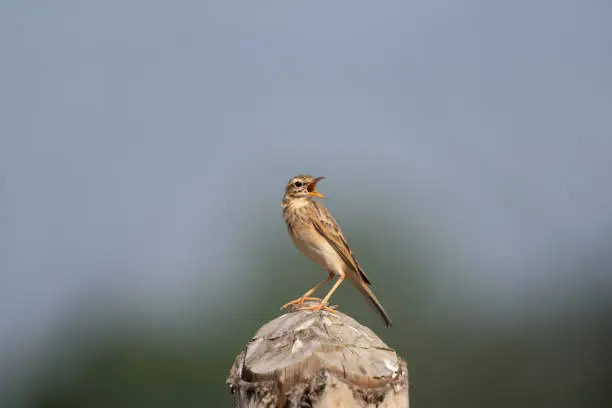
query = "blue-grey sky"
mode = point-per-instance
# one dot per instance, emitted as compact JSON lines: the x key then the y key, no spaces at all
{"x":134,"y":134}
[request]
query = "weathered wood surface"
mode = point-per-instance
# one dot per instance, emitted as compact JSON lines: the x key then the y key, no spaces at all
{"x":318,"y":359}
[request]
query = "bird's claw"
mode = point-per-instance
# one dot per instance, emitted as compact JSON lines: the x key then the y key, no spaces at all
{"x":320,"y":306}
{"x":299,"y":301}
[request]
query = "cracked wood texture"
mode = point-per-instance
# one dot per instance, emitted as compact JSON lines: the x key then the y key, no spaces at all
{"x":319,"y":360}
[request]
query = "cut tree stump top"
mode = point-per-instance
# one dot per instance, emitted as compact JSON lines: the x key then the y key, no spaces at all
{"x":306,"y":358}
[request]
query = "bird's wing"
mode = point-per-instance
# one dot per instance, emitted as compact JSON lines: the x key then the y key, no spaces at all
{"x":326,"y":225}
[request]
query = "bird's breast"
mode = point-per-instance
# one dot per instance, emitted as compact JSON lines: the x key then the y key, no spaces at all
{"x":316,"y":247}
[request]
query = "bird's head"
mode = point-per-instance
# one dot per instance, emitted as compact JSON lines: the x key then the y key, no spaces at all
{"x":303,"y":187}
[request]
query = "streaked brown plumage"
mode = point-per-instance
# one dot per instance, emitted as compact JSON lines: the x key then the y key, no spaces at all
{"x":316,"y":233}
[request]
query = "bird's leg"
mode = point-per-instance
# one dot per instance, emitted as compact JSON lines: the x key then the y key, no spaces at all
{"x":306,"y":296}
{"x":323,"y":303}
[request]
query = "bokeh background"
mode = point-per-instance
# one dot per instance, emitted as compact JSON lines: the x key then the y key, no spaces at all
{"x":144,"y":149}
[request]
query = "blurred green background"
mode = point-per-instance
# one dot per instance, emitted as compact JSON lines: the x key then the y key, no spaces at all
{"x":144,"y":150}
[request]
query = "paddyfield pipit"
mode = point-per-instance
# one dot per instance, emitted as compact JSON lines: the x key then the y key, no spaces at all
{"x":317,"y":234}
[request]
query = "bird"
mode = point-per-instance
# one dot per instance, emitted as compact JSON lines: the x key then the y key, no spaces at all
{"x":315,"y":232}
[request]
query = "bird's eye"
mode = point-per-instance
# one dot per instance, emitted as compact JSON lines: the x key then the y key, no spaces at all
{"x":298,"y":184}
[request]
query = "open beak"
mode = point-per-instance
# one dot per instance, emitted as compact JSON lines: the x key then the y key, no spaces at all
{"x":312,"y":188}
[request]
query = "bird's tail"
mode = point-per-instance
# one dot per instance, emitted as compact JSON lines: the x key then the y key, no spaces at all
{"x":368,"y":294}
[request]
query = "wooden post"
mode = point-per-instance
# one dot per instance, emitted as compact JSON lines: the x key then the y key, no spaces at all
{"x":319,"y":360}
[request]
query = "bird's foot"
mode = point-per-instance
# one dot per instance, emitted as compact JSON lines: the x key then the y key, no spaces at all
{"x":300,"y":301}
{"x":320,"y":306}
